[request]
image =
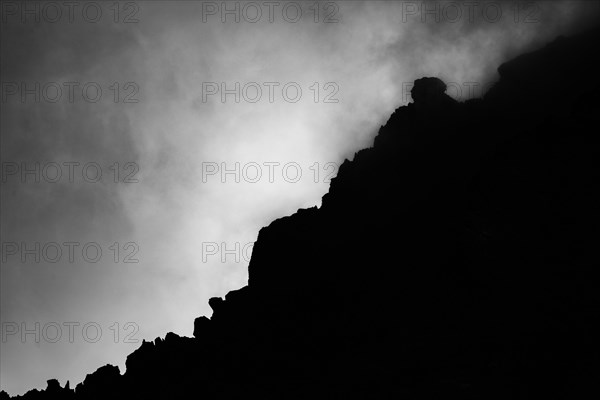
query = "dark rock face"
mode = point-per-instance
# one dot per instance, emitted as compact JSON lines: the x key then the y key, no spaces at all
{"x":455,"y":259}
{"x":430,"y":93}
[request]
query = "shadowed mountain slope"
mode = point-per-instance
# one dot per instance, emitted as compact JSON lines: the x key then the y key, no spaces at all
{"x":456,"y":258}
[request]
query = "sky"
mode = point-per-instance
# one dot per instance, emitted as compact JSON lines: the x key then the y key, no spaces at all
{"x":144,"y":144}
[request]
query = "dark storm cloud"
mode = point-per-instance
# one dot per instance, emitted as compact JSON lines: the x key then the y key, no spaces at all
{"x":57,"y":50}
{"x":41,"y":132}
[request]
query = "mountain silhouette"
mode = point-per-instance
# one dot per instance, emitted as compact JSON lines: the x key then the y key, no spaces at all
{"x":457,"y":258}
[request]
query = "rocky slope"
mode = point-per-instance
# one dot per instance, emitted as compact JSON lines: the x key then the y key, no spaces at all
{"x":456,"y":258}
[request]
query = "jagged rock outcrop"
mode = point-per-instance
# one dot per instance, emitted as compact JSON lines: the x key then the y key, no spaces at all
{"x":456,"y":258}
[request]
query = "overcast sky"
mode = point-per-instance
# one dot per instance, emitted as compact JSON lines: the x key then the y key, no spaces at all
{"x":119,"y":115}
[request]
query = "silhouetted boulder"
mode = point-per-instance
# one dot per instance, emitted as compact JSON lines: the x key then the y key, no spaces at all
{"x":428,"y":91}
{"x":53,"y":387}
